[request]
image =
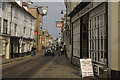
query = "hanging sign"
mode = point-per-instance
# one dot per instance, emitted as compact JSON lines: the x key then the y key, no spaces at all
{"x":59,"y":24}
{"x":86,"y":68}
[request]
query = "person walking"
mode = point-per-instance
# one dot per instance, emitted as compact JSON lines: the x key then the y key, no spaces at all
{"x":32,"y":51}
{"x":65,"y":50}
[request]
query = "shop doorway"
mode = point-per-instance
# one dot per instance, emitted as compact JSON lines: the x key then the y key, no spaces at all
{"x":84,"y":36}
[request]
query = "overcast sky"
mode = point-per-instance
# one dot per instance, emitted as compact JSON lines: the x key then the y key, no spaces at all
{"x":53,"y":15}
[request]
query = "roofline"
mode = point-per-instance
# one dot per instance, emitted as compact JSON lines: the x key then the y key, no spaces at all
{"x":22,"y":9}
{"x":78,"y":8}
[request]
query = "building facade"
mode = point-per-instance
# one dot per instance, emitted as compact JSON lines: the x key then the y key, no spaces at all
{"x":93,"y":26}
{"x":46,"y":34}
{"x":34,"y":10}
{"x":17,"y":26}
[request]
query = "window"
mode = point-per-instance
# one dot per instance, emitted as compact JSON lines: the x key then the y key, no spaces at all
{"x":24,"y":30}
{"x":40,"y":25}
{"x":15,"y":48}
{"x":25,"y":18}
{"x":16,"y":15}
{"x":5,"y":26}
{"x":15,"y":29}
{"x":0,"y":24}
{"x":0,"y":4}
{"x":31,"y":21}
{"x":40,"y":39}
{"x":3,"y":5}
{"x":97,"y":38}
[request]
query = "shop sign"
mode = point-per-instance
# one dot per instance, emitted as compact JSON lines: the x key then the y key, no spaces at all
{"x":59,"y":24}
{"x":86,"y":68}
{"x":88,"y":8}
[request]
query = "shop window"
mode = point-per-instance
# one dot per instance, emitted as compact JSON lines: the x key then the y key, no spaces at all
{"x":15,"y":48}
{"x":23,"y":46}
{"x":97,"y":38}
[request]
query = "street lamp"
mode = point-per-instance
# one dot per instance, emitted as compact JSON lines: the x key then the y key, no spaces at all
{"x":62,"y":11}
{"x":43,"y":10}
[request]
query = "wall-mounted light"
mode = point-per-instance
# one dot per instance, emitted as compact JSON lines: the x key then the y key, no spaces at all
{"x":62,"y":11}
{"x":43,"y":10}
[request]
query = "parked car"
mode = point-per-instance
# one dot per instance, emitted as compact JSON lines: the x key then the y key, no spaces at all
{"x":49,"y":51}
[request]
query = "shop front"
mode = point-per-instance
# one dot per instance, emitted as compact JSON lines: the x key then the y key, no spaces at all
{"x":14,"y":47}
{"x":89,"y":36}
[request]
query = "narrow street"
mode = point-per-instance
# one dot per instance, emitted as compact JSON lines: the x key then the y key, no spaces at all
{"x":41,"y":66}
{"x":66,"y":39}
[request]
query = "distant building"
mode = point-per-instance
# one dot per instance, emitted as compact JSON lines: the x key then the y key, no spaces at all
{"x":47,"y":40}
{"x":46,"y":34}
{"x":34,"y":10}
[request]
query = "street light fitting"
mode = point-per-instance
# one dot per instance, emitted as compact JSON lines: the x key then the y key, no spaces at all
{"x":62,"y":11}
{"x":43,"y":10}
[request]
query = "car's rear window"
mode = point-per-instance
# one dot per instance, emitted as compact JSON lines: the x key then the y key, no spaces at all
{"x":48,"y":48}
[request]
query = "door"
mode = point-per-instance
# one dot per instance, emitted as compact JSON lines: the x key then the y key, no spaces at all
{"x":84,"y":37}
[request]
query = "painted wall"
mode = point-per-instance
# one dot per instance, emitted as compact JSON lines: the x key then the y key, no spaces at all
{"x":22,"y":19}
{"x":18,"y":18}
{"x":113,"y":23}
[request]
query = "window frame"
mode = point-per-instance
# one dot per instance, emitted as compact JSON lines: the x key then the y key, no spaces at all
{"x":97,"y":37}
{"x":5,"y":25}
{"x":15,"y":29}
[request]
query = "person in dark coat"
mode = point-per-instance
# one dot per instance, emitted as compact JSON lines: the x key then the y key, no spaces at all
{"x":32,"y":51}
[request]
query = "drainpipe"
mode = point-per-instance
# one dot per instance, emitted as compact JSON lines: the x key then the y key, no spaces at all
{"x":11,"y":24}
{"x":11,"y":18}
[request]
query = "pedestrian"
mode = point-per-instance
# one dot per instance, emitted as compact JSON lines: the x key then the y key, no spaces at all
{"x":62,"y":50}
{"x":65,"y":50}
{"x":32,"y":51}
